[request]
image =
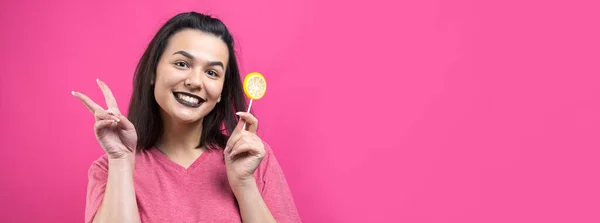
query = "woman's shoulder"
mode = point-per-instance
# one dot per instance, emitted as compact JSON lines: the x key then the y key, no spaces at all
{"x":268,"y":149}
{"x":100,"y":163}
{"x":269,"y":154}
{"x":269,"y":161}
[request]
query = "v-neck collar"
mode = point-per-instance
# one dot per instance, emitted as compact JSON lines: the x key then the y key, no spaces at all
{"x":159,"y":155}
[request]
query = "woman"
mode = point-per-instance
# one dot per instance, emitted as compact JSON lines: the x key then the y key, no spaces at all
{"x":181,"y":155}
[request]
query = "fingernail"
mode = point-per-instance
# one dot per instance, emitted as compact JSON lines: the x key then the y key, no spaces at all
{"x":97,"y":80}
{"x":239,"y":113}
{"x":73,"y":93}
{"x":118,"y":120}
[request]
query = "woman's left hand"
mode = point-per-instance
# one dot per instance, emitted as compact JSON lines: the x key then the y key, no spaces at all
{"x":244,"y":151}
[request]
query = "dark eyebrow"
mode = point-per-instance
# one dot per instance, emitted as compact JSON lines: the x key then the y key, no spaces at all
{"x":185,"y":54}
{"x":211,"y":63}
{"x":216,"y":63}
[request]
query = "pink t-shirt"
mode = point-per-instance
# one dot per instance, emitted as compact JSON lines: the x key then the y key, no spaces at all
{"x":167,"y":192}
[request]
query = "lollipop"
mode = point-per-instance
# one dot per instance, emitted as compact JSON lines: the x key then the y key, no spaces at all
{"x":255,"y":87}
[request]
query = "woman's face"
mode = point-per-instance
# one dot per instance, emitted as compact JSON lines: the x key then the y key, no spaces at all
{"x":190,"y":76}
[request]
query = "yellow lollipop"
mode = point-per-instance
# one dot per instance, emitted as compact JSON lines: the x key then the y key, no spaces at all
{"x":255,"y":87}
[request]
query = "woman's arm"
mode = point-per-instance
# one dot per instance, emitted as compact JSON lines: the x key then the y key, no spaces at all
{"x":119,"y":203}
{"x":252,"y":205}
{"x":243,"y":154}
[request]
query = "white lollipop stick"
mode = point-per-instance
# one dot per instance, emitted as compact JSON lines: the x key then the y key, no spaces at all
{"x":249,"y":106}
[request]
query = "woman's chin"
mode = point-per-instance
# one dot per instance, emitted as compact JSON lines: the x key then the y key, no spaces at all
{"x":185,"y":117}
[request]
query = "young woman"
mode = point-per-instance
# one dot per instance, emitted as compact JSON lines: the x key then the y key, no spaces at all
{"x":181,"y":155}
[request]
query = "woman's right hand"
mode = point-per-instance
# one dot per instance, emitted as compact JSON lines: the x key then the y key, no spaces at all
{"x":115,"y":133}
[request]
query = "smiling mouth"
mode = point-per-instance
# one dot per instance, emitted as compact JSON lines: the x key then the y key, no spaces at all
{"x":188,"y":99}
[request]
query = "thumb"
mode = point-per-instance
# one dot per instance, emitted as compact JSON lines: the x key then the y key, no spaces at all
{"x":249,"y":120}
{"x":239,"y":126}
{"x":124,"y":123}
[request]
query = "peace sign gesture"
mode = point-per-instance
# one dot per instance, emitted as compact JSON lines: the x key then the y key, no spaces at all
{"x":114,"y":132}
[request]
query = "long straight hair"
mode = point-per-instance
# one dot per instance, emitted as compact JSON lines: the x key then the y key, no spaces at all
{"x":143,"y":108}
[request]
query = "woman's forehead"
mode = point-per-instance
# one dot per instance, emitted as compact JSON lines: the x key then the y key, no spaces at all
{"x":200,"y":45}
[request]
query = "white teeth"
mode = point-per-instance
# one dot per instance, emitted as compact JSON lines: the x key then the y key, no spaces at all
{"x":188,"y":98}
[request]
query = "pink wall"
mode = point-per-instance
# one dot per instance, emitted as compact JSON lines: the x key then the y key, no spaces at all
{"x":419,"y":111}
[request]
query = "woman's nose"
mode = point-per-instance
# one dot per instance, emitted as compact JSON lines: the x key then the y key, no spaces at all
{"x":194,"y":80}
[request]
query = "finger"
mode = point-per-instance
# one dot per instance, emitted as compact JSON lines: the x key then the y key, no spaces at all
{"x":235,"y":151}
{"x":238,"y":127}
{"x":251,"y":121}
{"x":124,"y":123}
{"x":247,"y":141}
{"x":108,"y":96}
{"x":101,"y":124}
{"x":233,"y":139}
{"x":105,"y":115}
{"x":91,"y":105}
{"x":235,"y":145}
{"x":243,"y":148}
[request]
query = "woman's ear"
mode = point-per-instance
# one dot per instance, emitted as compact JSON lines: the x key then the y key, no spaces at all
{"x":219,"y":100}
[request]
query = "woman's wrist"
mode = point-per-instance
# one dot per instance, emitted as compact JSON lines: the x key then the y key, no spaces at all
{"x":239,"y":186}
{"x":124,"y":163}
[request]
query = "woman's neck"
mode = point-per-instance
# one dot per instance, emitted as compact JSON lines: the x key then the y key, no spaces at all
{"x":180,"y":138}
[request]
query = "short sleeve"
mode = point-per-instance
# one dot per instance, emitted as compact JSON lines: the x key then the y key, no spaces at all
{"x":276,"y":192}
{"x":97,"y":177}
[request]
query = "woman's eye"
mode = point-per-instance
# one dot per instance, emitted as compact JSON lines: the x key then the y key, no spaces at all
{"x":212,"y":73}
{"x":181,"y":64}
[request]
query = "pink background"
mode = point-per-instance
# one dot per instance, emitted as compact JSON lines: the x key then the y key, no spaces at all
{"x":379,"y":111}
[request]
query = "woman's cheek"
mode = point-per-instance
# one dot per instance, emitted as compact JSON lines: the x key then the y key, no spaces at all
{"x":214,"y":89}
